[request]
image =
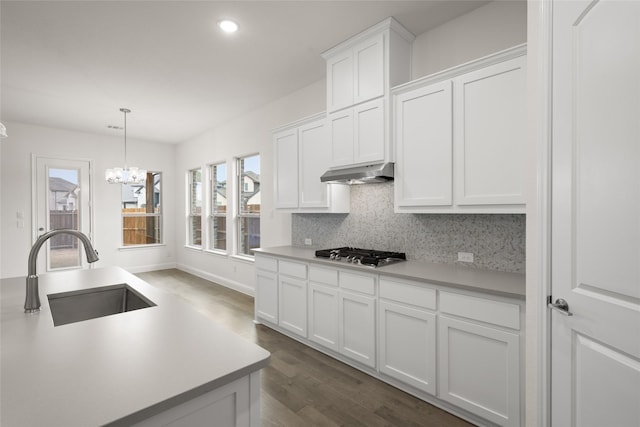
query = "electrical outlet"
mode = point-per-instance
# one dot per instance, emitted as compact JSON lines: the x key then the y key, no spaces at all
{"x":465,"y":256}
{"x":308,"y":241}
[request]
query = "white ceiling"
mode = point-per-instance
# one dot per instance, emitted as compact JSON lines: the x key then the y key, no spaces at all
{"x":73,"y":64}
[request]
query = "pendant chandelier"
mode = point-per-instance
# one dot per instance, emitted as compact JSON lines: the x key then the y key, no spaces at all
{"x":126,"y":175}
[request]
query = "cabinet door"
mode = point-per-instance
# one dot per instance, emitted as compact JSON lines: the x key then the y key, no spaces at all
{"x":480,"y":370}
{"x":292,"y":310}
{"x":323,"y":315}
{"x":341,"y":135}
{"x":408,"y":345}
{"x":424,"y":146}
{"x":368,"y":69}
{"x":286,"y":169}
{"x":340,"y":81}
{"x":358,"y":328}
{"x":314,"y":161}
{"x":368,"y":138}
{"x":266,"y":300}
{"x":490,"y":134}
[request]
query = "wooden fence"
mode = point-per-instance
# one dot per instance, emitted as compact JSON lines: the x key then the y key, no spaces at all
{"x":139,"y":227}
{"x":63,"y":219}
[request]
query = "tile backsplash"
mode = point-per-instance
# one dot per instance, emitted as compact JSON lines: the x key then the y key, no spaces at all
{"x":496,"y":241}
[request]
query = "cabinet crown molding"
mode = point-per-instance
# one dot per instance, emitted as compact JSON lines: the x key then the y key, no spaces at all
{"x":389,"y":23}
{"x":485,"y":61}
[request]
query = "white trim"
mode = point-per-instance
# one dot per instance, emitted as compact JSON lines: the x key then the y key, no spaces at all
{"x":150,"y":267}
{"x":134,"y":247}
{"x":217,"y":252}
{"x":220,"y":280}
{"x":194,"y":248}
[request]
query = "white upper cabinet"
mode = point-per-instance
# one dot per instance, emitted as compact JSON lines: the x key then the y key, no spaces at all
{"x":360,"y":73}
{"x":490,"y":134}
{"x":460,"y":138}
{"x":424,"y":146}
{"x":301,"y":157}
{"x":286,"y":168}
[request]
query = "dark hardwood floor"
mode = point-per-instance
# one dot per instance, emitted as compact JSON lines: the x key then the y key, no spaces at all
{"x":301,"y":386}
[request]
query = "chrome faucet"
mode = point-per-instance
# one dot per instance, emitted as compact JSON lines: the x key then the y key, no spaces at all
{"x":32,"y":300}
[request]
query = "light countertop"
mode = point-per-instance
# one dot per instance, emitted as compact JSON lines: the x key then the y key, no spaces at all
{"x":114,"y":370}
{"x":500,"y":283}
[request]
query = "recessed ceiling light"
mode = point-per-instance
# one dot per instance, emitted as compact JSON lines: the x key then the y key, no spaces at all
{"x":228,"y":26}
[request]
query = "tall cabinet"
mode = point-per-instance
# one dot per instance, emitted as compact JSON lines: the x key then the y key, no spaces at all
{"x":360,"y":73}
{"x":460,"y":138}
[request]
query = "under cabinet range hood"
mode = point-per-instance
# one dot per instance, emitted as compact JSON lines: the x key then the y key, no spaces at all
{"x":369,"y":174}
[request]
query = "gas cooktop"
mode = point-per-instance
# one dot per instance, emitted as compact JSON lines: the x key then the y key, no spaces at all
{"x":368,"y":257}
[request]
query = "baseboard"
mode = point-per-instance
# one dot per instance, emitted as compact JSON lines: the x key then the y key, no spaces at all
{"x":224,"y":281}
{"x":150,"y":267}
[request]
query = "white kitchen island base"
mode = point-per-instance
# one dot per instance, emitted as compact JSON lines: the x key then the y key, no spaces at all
{"x":234,"y":405}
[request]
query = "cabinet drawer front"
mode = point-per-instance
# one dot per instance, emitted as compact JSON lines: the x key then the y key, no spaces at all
{"x":266,"y":263}
{"x":413,"y":294}
{"x":484,"y":310}
{"x":327,"y":276}
{"x":293,"y":269}
{"x":358,"y":283}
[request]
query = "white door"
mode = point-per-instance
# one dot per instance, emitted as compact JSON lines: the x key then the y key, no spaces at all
{"x":595,"y":263}
{"x":314,"y":161}
{"x":62,"y":199}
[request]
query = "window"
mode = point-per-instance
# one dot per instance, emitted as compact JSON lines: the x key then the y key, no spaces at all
{"x":194,"y":213}
{"x":218,"y":212}
{"x":141,"y":212}
{"x":248,"y":220}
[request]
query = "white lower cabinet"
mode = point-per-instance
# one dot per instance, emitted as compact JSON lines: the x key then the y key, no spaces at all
{"x":408,"y":345}
{"x":479,"y":364}
{"x":323,"y":316}
{"x":266,"y":301}
{"x":358,"y":327}
{"x":442,"y":344}
{"x":292,"y":297}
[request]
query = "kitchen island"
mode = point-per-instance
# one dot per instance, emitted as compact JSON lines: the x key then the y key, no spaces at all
{"x":147,"y":366}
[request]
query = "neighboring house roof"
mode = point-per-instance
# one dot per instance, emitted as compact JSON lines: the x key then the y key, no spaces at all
{"x":254,"y":176}
{"x":61,"y":185}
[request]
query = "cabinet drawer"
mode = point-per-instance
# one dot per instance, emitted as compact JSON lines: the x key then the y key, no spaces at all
{"x":266,"y":263}
{"x":408,"y":293}
{"x":358,"y":283}
{"x":327,"y":276}
{"x":293,"y":269}
{"x":484,"y":310}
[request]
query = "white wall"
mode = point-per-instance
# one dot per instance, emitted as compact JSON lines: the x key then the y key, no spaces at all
{"x":249,"y":134}
{"x":104,"y":151}
{"x":483,"y":31}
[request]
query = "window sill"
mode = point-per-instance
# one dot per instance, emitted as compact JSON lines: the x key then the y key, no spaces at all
{"x":218,"y":253}
{"x":244,"y":258}
{"x":193,"y":248}
{"x":136,"y":247}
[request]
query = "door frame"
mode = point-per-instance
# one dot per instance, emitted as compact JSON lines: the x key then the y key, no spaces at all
{"x":35,"y":203}
{"x":538,"y":267}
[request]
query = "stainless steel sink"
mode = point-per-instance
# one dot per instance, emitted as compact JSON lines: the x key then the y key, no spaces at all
{"x":76,"y":306}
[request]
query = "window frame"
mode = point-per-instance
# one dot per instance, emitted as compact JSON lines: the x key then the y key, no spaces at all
{"x":212,"y":213}
{"x":190,"y":213}
{"x":154,"y":214}
{"x":238,"y":214}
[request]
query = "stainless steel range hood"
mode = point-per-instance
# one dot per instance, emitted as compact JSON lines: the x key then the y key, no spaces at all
{"x":369,"y":174}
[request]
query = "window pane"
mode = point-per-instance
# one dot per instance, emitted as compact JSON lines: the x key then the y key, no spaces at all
{"x":249,"y":234}
{"x":248,"y":225}
{"x":195,"y":207}
{"x":64,"y":193}
{"x":250,"y":184}
{"x":219,"y":233}
{"x":195,"y":227}
{"x":218,"y":220}
{"x":141,"y":212}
